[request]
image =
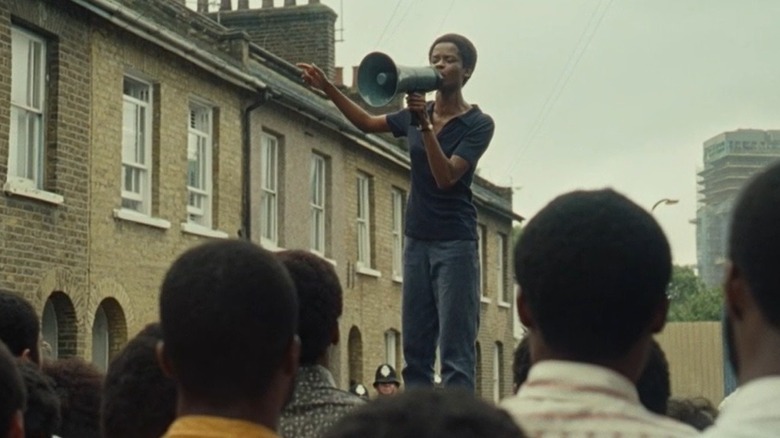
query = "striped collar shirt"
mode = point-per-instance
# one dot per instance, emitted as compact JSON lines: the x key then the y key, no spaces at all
{"x":577,"y":400}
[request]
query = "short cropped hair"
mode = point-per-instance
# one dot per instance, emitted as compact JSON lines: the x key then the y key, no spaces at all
{"x":19,"y":326}
{"x":12,"y":393}
{"x":654,"y":386}
{"x":429,"y":413}
{"x":754,"y":242}
{"x":78,"y":384}
{"x":139,"y":400}
{"x":229,"y":312}
{"x":593,"y":267}
{"x":466,"y":50}
{"x":698,"y":412}
{"x":42,"y":416}
{"x":319,"y":301}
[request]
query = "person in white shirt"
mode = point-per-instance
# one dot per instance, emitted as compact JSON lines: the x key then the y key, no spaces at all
{"x":752,"y":296}
{"x":592,"y":269}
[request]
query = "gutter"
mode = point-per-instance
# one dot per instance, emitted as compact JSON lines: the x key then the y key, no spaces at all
{"x":246,"y":148}
{"x":146,"y":29}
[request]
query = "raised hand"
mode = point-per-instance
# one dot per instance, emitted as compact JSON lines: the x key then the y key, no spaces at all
{"x":313,"y":76}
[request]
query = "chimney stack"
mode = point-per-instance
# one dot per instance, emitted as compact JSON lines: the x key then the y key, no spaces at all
{"x":314,"y":2}
{"x":203,"y":6}
{"x":226,"y":5}
{"x":338,"y":79}
{"x":243,"y":4}
{"x":268,"y":3}
{"x":289,"y":2}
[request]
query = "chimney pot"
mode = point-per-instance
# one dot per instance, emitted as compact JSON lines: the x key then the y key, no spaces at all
{"x":203,"y":6}
{"x":243,"y":4}
{"x":354,"y":76}
{"x":268,"y":3}
{"x":338,"y":80}
{"x":289,"y":2}
{"x":226,"y":5}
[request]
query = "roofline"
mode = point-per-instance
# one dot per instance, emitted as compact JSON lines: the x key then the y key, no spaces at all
{"x":171,"y":41}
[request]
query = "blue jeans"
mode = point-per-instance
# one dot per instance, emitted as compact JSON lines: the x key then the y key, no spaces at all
{"x":440,"y":304}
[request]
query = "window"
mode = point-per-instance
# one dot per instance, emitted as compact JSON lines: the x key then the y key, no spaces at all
{"x":269,"y":153}
{"x":199,"y":150}
{"x":100,"y":340}
{"x":317,"y":201}
{"x":498,"y":357}
{"x":28,"y":100}
{"x":391,"y":348}
{"x":398,"y":233}
{"x":137,"y":146}
{"x":363,"y":221}
{"x":481,"y":245}
{"x":501,"y":265}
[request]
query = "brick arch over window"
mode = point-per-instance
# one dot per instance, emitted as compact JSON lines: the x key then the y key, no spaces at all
{"x":109,"y":332}
{"x":355,"y":353}
{"x":58,"y":325}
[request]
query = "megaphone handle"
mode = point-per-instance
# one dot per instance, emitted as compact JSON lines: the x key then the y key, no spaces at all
{"x":415,"y":120}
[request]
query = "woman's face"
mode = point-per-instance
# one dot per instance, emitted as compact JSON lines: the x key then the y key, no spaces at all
{"x":446,"y":59}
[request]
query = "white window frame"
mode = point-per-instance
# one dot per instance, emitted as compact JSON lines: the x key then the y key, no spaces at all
{"x":497,"y":358}
{"x":364,"y":221}
{"x":200,"y":145}
{"x":481,"y":231}
{"x":318,"y":202}
{"x":501,"y":265}
{"x":398,"y":197}
{"x":138,"y":164}
{"x":26,"y":151}
{"x":269,"y":190}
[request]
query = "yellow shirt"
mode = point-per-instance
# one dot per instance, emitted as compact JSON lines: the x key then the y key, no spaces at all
{"x":202,"y":426}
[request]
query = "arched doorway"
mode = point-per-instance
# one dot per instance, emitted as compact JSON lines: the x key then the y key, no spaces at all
{"x":109,"y":332}
{"x":355,"y":352}
{"x":58,"y":327}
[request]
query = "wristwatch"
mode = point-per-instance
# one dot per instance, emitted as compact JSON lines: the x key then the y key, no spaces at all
{"x":425,"y":128}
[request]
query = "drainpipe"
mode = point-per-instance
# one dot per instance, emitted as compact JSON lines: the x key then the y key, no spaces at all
{"x":246,"y":148}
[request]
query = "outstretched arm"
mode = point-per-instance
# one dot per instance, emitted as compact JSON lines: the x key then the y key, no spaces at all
{"x":315,"y":78}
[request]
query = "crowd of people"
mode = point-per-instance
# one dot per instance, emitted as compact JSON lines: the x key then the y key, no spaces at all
{"x":241,"y":348}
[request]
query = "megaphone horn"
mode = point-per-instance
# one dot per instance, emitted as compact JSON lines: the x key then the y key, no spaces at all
{"x":380,"y":79}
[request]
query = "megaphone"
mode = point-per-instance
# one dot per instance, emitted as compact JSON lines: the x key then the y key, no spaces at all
{"x":380,"y":80}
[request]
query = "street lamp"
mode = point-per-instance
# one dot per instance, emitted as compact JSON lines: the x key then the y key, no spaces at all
{"x":665,"y":201}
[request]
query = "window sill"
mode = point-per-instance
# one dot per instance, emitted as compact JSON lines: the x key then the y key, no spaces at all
{"x":14,"y":188}
{"x":271,"y":246}
{"x":368,"y":271}
{"x":504,"y":304}
{"x":200,"y":230}
{"x":485,"y":300}
{"x":398,"y":279}
{"x":322,"y":256}
{"x":134,"y":216}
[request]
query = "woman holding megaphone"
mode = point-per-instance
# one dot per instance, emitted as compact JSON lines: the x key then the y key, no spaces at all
{"x":441,"y":286}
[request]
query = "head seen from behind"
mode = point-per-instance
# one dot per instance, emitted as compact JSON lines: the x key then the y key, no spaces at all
{"x":12,"y":396}
{"x":319,"y":300}
{"x":752,"y":285}
{"x":592,"y":268}
{"x":229,"y":312}
{"x":19,"y":326}
{"x":138,"y":401}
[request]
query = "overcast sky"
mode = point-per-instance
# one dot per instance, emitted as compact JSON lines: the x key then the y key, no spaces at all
{"x":595,"y":93}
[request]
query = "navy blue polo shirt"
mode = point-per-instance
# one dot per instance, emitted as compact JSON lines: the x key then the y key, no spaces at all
{"x":443,"y":214}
